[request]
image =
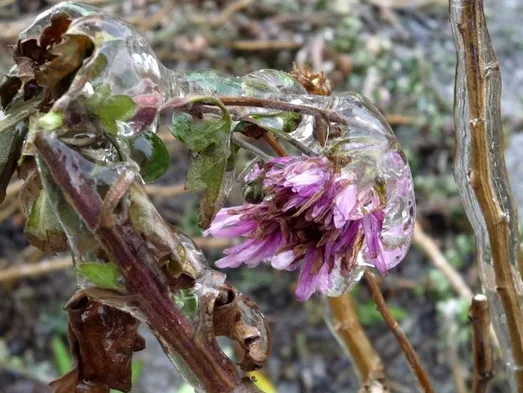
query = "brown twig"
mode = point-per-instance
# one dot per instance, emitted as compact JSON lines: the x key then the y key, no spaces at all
{"x":283,"y":106}
{"x":406,"y":347}
{"x":274,"y":144}
{"x":165,"y":191}
{"x":351,"y":335}
{"x":482,"y":176}
{"x":10,"y":208}
{"x":481,"y":349}
{"x":433,"y":252}
{"x":259,"y":45}
{"x":17,"y":272}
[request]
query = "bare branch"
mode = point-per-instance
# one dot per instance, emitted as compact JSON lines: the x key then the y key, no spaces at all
{"x":481,"y":349}
{"x":403,"y":341}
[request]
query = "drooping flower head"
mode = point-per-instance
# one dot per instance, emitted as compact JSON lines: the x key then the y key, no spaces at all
{"x":320,"y":218}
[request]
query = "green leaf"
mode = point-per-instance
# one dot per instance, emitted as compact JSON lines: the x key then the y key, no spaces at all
{"x":210,"y":165}
{"x":187,"y":301}
{"x":151,"y":155}
{"x":105,"y":275}
{"x":51,"y":121}
{"x":110,"y":108}
{"x":42,"y":228}
{"x":11,"y":142}
{"x":62,"y":356}
{"x":197,"y":135}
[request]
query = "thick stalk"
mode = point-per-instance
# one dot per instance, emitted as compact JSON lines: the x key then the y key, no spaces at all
{"x":481,"y":347}
{"x":210,"y":368}
{"x":351,"y":335}
{"x":482,"y":178}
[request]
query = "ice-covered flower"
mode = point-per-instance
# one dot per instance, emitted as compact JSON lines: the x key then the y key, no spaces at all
{"x":318,"y":217}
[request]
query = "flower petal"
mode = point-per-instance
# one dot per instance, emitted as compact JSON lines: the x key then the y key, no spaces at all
{"x":282,"y":260}
{"x":344,"y":205}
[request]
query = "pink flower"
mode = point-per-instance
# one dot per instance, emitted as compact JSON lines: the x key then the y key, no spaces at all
{"x":313,"y":218}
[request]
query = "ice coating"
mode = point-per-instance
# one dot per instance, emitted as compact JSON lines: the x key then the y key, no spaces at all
{"x":371,"y":196}
{"x":375,"y":155}
{"x":374,"y":161}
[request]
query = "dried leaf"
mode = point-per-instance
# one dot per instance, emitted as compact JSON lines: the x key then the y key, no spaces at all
{"x":54,"y":32}
{"x":241,"y":320}
{"x":32,"y":185}
{"x":104,"y":275}
{"x":102,"y":340}
{"x":68,"y":56}
{"x":42,"y":228}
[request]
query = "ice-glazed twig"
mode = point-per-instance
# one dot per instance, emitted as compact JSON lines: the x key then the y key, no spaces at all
{"x":481,"y":349}
{"x":404,"y":343}
{"x":213,"y":371}
{"x":482,"y":178}
{"x":249,"y":147}
{"x":352,"y":337}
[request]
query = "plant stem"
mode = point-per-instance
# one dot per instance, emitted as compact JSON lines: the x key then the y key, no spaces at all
{"x":283,"y":135}
{"x":403,"y":341}
{"x":199,"y":353}
{"x":350,"y":333}
{"x":253,"y":149}
{"x":283,"y":106}
{"x":482,"y":178}
{"x":481,"y":349}
{"x":274,"y":144}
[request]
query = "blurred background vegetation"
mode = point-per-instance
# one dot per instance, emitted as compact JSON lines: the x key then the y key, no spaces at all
{"x":400,"y":54}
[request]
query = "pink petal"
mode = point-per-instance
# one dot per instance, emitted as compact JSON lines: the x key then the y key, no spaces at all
{"x":307,"y":281}
{"x":282,"y":260}
{"x":344,"y":205}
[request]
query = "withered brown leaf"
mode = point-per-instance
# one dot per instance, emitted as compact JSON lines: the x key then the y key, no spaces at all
{"x":102,"y":340}
{"x":240,"y":319}
{"x":49,"y":61}
{"x":54,"y":32}
{"x":68,"y":56}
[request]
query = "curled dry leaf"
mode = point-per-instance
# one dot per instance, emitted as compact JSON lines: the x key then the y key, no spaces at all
{"x":102,"y":340}
{"x":48,"y":61}
{"x":237,"y":317}
{"x":28,"y":172}
{"x":314,"y":82}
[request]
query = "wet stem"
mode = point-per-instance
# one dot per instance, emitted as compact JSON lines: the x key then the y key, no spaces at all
{"x":200,"y":353}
